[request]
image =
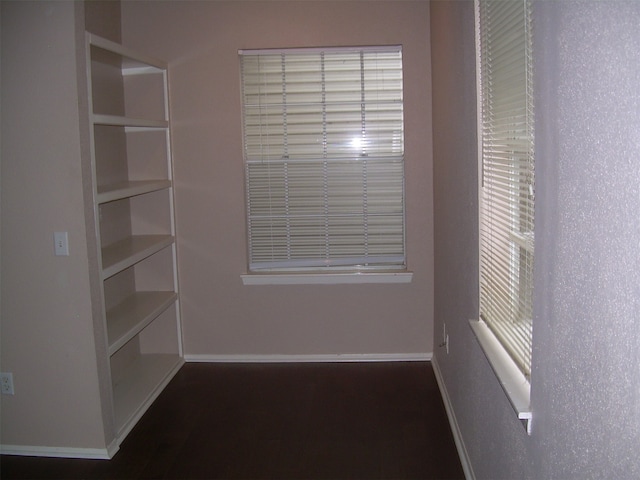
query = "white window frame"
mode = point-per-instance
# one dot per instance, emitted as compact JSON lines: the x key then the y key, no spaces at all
{"x":377,"y":268}
{"x":513,"y":377}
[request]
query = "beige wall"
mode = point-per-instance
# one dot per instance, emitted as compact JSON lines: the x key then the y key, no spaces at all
{"x":48,"y":339}
{"x":46,"y":318}
{"x":200,"y":40}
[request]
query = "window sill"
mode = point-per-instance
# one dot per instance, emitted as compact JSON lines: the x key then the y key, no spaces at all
{"x":307,"y":278}
{"x":512,"y":380}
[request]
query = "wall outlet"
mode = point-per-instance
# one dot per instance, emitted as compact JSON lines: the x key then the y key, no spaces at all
{"x":6,"y":383}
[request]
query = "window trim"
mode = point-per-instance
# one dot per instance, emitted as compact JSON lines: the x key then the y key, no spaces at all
{"x":516,"y":386}
{"x":352,"y":49}
{"x":327,"y":278}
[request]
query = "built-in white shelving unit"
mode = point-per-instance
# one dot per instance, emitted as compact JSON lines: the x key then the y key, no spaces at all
{"x":135,"y":226}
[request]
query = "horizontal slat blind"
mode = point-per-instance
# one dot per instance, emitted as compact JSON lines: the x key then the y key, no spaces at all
{"x":507,"y":198}
{"x":324,"y":148}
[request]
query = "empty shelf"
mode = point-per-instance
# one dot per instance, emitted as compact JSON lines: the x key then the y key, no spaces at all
{"x":125,"y":253}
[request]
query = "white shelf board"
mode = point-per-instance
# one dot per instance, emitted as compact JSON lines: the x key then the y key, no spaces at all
{"x":118,"y":191}
{"x":121,"y":255}
{"x":131,"y":316}
{"x":119,"y":121}
{"x":138,"y":388}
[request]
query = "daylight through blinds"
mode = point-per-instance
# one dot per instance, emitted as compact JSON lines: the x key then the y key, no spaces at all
{"x":507,"y":192}
{"x":324,"y":158}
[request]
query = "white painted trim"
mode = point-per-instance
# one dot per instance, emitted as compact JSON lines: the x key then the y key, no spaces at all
{"x":60,"y":452}
{"x":453,"y":422}
{"x":325,"y":278}
{"x":319,"y":358}
{"x":513,"y":382}
{"x":279,"y":51}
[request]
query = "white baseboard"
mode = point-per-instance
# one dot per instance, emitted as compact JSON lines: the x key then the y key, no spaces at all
{"x":321,"y":358}
{"x":453,"y":422}
{"x":60,"y":452}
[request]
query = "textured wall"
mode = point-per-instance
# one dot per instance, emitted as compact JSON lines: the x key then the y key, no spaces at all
{"x":200,"y":40}
{"x":586,"y":384}
{"x":585,"y":380}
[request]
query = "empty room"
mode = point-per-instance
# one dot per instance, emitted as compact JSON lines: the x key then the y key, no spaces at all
{"x":320,"y":239}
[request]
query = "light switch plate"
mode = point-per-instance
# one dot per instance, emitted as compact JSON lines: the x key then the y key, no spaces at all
{"x":61,"y":243}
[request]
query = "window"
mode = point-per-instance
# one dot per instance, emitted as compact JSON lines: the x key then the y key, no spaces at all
{"x":507,"y":175}
{"x":324,"y":159}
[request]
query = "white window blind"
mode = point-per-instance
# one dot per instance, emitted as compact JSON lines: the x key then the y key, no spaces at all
{"x":324,"y":158}
{"x":507,"y":191}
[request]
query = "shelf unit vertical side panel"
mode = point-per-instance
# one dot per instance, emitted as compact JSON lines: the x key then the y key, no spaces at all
{"x":94,"y":241}
{"x":172,"y":193}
